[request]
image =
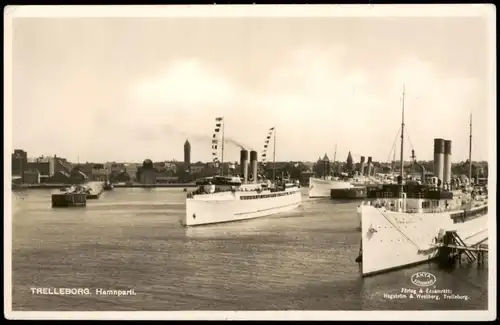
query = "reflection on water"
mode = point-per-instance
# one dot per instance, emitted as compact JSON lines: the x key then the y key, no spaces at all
{"x":132,"y":238}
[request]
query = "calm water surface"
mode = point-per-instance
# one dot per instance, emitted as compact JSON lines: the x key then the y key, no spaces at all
{"x":132,"y":239}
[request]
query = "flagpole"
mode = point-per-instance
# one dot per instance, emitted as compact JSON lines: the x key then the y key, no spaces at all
{"x":274,"y":156}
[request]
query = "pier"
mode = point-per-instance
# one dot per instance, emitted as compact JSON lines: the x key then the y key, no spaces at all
{"x":48,"y":186}
{"x":96,"y":189}
{"x":453,"y":249}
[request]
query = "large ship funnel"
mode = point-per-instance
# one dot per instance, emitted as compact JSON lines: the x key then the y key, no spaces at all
{"x":439,"y":159}
{"x":362,"y":167}
{"x":369,"y":162}
{"x":447,"y":162}
{"x":244,"y":164}
{"x":253,"y":165}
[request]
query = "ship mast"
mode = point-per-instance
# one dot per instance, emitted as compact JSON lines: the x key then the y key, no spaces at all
{"x":402,"y":136}
{"x":393,"y":159}
{"x":274,"y":156}
{"x":470,"y":148}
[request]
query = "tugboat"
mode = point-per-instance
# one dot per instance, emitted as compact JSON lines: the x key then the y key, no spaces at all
{"x":70,"y":196}
{"x":108,"y":186}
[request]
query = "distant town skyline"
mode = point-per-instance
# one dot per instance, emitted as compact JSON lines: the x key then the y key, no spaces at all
{"x":79,"y":160}
{"x":127,"y":89}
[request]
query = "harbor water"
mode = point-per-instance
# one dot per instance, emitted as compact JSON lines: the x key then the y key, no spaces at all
{"x":131,"y":238}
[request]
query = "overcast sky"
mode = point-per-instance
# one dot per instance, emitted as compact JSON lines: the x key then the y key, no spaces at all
{"x":126,"y":89}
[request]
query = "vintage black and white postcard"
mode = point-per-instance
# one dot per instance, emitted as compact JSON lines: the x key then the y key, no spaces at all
{"x":318,"y":162}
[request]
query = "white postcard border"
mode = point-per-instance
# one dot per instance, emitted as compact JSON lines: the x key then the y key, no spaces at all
{"x":407,"y":10}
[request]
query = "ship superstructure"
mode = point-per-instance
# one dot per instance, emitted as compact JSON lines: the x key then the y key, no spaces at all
{"x":403,"y":224}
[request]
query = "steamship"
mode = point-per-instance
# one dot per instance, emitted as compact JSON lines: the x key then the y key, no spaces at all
{"x":402,"y":224}
{"x":321,"y":188}
{"x":236,"y":198}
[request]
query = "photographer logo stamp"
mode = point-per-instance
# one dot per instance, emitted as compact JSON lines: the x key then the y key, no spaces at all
{"x":425,"y":289}
{"x":423,"y":279}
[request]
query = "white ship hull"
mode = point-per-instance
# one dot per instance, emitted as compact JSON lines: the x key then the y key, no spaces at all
{"x":230,"y":206}
{"x":394,"y":239}
{"x":320,"y":188}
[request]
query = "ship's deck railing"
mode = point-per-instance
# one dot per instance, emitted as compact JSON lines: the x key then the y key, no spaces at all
{"x":263,"y":187}
{"x":392,"y":208}
{"x":201,"y":191}
{"x":389,"y":206}
{"x":431,"y":210}
{"x":376,"y":194}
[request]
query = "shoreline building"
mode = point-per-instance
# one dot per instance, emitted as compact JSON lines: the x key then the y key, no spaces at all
{"x":44,"y":169}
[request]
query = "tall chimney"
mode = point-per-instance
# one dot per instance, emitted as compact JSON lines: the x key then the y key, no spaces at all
{"x":253,"y":165}
{"x":369,"y":162}
{"x":362,"y":167}
{"x":447,"y":162}
{"x":244,"y":164}
{"x":439,"y":159}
